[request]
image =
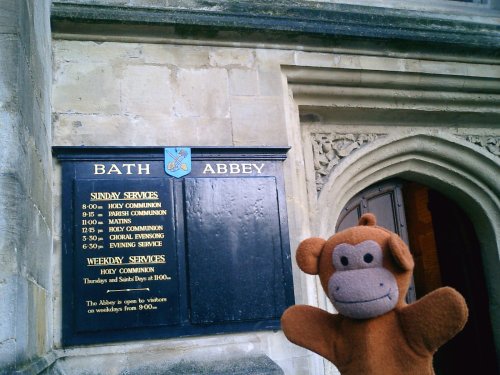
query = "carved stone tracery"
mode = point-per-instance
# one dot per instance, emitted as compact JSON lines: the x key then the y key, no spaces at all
{"x":490,"y":143}
{"x":330,"y":148}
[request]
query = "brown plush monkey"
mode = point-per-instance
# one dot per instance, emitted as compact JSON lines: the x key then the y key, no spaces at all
{"x":366,"y":271}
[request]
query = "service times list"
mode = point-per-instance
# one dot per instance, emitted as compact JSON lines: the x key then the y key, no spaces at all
{"x":125,"y":263}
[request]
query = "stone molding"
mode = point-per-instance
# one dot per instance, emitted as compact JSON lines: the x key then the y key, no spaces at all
{"x":330,"y":148}
{"x":488,"y":142}
{"x":450,"y":165}
{"x":296,"y":18}
{"x":396,"y":88}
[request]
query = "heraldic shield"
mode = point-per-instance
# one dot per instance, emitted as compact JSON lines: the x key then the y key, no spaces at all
{"x":177,"y":161}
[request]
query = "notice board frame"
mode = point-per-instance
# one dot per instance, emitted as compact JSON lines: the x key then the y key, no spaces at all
{"x":72,"y":158}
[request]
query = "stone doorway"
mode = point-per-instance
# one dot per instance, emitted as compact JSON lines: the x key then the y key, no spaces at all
{"x":446,"y":251}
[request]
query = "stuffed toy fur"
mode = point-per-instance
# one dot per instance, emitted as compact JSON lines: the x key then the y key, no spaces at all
{"x":366,"y":271}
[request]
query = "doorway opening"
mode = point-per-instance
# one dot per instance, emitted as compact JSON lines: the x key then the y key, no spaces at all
{"x":447,"y":252}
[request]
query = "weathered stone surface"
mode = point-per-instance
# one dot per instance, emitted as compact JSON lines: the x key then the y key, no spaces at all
{"x":25,"y":182}
{"x":247,"y":365}
{"x":9,"y":45}
{"x":226,"y":57}
{"x":9,"y":11}
{"x":176,"y":55}
{"x":258,"y":121}
{"x":81,"y":87}
{"x":234,"y":95}
{"x":146,"y":90}
{"x":291,"y":20}
{"x":243,"y":82}
{"x":202,"y":92}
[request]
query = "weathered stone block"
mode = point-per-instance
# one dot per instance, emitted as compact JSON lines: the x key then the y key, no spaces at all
{"x":315,"y":59}
{"x":133,"y":130}
{"x":37,"y":312}
{"x":8,"y":291}
{"x":202,"y":92}
{"x":36,"y":256}
{"x":243,"y":82}
{"x":252,"y":365}
{"x":232,"y":57}
{"x":202,"y":131}
{"x":258,"y":121}
{"x":7,"y":357}
{"x":9,"y":11}
{"x":108,"y":2}
{"x":111,"y":364}
{"x":185,"y":56}
{"x":9,"y":59}
{"x":95,"y":52}
{"x":270,"y":81}
{"x":146,"y":90}
{"x":86,"y":88}
{"x":273,"y":57}
{"x":149,"y":3}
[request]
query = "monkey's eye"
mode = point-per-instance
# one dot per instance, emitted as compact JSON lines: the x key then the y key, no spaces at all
{"x":344,"y":260}
{"x":368,"y":258}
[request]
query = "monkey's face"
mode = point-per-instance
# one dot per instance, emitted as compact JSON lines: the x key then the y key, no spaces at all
{"x":365,"y":270}
{"x":361,"y":287}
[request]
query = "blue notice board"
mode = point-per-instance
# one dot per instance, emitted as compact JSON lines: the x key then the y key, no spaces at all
{"x":151,"y":254}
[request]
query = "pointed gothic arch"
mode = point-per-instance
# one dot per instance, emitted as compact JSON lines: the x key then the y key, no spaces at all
{"x":459,"y":169}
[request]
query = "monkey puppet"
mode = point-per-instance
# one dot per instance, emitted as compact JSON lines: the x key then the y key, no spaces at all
{"x":366,"y":271}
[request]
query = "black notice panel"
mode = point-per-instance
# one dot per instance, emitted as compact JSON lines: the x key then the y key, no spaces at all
{"x":148,"y":255}
{"x":234,"y":248}
{"x":125,"y":259}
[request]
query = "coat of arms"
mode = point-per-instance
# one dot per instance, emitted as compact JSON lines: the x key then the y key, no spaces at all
{"x":177,"y":161}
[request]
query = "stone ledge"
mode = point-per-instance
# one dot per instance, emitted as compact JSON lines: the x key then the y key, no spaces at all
{"x":293,"y":19}
{"x":247,"y":365}
{"x":38,"y":365}
{"x":259,"y":365}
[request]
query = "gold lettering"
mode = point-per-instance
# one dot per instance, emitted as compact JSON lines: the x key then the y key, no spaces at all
{"x":149,"y":236}
{"x":138,"y":195}
{"x":137,"y":270}
{"x":143,"y":228}
{"x":148,"y":213}
{"x":147,"y":259}
{"x":120,"y":237}
{"x":150,"y":244}
{"x":118,"y":213}
{"x":121,"y":245}
{"x":98,"y":196}
{"x":99,"y":261}
{"x":143,"y":205}
{"x":119,"y":221}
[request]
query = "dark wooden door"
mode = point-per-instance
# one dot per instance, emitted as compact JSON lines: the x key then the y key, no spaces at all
{"x":472,"y":351}
{"x":385,"y":200}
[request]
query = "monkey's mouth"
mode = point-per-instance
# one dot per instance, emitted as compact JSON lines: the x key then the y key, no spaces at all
{"x":388,"y":295}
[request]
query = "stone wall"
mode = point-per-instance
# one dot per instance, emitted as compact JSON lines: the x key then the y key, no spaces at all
{"x":175,"y":84}
{"x":191,"y":93}
{"x":25,"y":184}
{"x":153,"y":94}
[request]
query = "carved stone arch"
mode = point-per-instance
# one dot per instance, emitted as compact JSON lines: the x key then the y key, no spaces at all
{"x":461,"y":170}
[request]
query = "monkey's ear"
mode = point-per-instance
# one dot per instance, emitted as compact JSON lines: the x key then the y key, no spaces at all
{"x":308,"y":254}
{"x":368,"y":220}
{"x":401,"y":253}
